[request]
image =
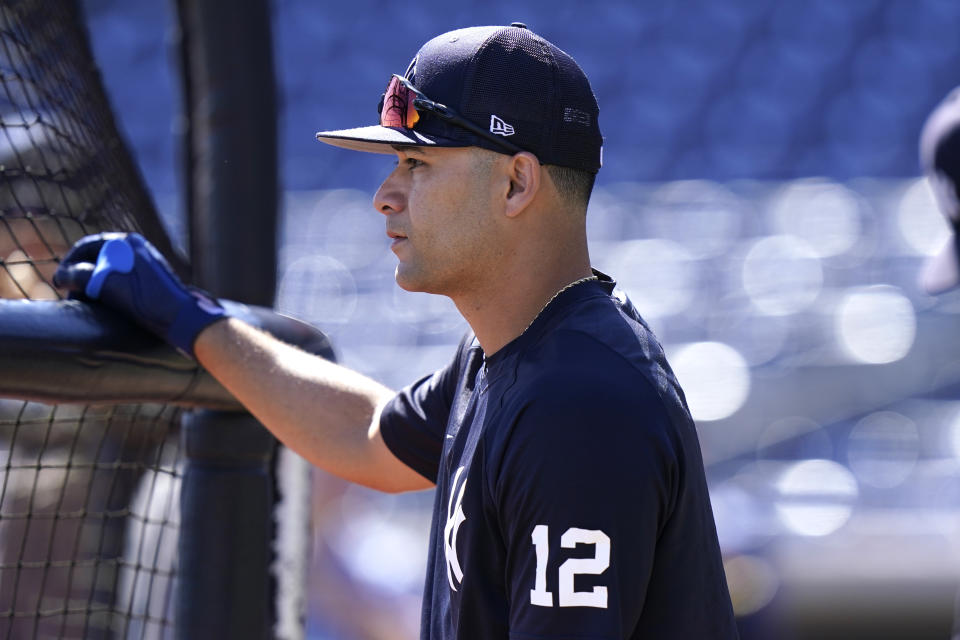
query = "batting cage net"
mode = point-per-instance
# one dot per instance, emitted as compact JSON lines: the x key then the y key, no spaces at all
{"x":88,"y":526}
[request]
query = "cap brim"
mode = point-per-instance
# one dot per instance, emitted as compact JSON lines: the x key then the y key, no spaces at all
{"x":942,"y":272}
{"x":377,"y":139}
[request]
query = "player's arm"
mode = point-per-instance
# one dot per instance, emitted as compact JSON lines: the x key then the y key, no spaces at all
{"x":325,"y":412}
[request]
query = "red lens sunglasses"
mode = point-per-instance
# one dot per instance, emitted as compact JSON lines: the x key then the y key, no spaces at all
{"x":401,"y":103}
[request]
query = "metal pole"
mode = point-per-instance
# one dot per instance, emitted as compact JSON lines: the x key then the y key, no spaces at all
{"x":226,"y":528}
{"x":227,"y":502}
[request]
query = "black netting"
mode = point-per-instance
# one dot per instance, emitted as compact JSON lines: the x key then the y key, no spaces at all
{"x":87,"y":524}
{"x":88,"y":527}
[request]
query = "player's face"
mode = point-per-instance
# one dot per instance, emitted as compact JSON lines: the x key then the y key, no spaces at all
{"x":439,"y":213}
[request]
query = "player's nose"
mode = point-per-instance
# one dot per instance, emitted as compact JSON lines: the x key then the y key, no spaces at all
{"x":390,"y":197}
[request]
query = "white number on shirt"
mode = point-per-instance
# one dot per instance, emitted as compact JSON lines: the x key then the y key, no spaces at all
{"x":539,"y":594}
{"x":596,"y":565}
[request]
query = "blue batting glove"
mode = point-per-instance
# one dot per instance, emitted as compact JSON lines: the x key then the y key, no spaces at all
{"x":125,"y":272}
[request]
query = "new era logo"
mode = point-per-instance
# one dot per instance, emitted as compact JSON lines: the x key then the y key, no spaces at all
{"x":499,"y":127}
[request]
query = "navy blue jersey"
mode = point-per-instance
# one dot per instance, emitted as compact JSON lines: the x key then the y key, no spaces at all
{"x":571,"y":500}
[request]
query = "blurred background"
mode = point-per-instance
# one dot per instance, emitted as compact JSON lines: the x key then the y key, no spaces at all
{"x":760,"y":202}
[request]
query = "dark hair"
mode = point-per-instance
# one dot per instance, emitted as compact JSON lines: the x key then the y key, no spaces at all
{"x":572,"y":184}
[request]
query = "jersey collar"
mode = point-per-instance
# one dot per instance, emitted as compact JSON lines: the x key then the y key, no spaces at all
{"x":602,"y":286}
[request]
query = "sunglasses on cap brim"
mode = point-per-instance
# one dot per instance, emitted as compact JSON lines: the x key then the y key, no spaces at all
{"x":401,"y":105}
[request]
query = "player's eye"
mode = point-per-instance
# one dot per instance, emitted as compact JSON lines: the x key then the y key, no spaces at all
{"x":413,"y":163}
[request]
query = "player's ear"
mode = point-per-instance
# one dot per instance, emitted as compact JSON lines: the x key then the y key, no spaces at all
{"x":525,"y":175}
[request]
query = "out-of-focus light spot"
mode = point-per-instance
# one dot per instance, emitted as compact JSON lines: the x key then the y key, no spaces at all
{"x":759,"y":338}
{"x":430,"y":313}
{"x":740,"y":515}
{"x":876,"y":325}
{"x":703,"y":216}
{"x":379,"y":542}
{"x":824,"y":214}
{"x":659,"y":276}
{"x":319,"y":290}
{"x":953,"y":433}
{"x":782,"y":275}
{"x":354,"y":233}
{"x":815,"y":497}
{"x":794,"y":438}
{"x":714,"y":377}
{"x":883,"y":449}
{"x":607,"y":211}
{"x":919,"y":220}
{"x":752,"y":583}
{"x":382,"y":553}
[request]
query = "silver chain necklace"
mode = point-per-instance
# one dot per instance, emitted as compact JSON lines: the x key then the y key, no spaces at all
{"x":483,"y":369}
{"x":569,"y":286}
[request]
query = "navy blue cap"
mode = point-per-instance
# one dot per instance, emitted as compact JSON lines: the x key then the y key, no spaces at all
{"x":940,"y":159}
{"x":507,"y":80}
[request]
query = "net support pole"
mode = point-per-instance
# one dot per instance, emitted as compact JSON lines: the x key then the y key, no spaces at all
{"x":227,"y":589}
{"x":225,"y":566}
{"x":230,"y":147}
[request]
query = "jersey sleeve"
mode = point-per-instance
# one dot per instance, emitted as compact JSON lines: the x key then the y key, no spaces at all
{"x":414,"y":421}
{"x":586,"y":482}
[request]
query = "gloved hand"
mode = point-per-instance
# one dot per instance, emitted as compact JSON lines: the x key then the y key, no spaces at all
{"x":126,"y":273}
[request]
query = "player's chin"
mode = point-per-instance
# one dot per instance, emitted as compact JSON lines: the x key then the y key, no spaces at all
{"x":419,"y":280}
{"x":408,"y":279}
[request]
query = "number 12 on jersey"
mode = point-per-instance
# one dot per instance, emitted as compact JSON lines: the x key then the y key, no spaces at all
{"x":571,"y":567}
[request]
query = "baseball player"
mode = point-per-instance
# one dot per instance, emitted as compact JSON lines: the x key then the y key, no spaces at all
{"x":570,"y":500}
{"x":940,"y":160}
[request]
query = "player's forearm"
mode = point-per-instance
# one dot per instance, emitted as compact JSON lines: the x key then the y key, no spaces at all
{"x":326,"y":413}
{"x":319,"y":409}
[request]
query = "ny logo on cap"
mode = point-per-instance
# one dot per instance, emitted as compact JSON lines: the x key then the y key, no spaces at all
{"x":499,"y":127}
